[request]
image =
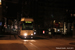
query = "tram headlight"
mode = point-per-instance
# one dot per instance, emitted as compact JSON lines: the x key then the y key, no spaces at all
{"x":25,"y":34}
{"x":32,"y":34}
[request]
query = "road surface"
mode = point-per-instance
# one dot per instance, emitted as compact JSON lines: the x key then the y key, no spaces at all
{"x":38,"y":44}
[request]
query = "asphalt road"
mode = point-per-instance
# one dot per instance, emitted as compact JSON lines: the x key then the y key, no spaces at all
{"x":13,"y":46}
{"x":33,"y":44}
{"x":49,"y":44}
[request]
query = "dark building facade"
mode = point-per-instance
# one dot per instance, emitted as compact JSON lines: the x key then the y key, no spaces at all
{"x":1,"y":21}
{"x":9,"y":9}
{"x":43,"y":12}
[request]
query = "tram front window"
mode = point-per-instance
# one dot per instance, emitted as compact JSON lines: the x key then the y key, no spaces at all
{"x":27,"y":26}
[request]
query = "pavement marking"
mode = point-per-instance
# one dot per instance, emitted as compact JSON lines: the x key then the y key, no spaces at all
{"x":30,"y":44}
{"x":26,"y":42}
{"x":32,"y":41}
{"x":35,"y":46}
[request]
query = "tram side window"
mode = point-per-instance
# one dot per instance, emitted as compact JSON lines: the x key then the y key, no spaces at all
{"x":23,"y":26}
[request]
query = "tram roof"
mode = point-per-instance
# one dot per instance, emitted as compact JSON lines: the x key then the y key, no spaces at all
{"x":26,"y":19}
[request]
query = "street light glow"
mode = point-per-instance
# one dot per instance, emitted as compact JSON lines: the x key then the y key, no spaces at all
{"x":54,"y":21}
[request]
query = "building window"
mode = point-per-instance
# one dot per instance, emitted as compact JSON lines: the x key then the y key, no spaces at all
{"x":74,"y":14}
{"x":71,"y":15}
{"x":0,"y":2}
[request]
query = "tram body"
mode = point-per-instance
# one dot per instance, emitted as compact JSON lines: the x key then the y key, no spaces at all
{"x":26,"y":27}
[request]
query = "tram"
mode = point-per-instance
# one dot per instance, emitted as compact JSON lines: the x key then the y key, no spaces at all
{"x":26,"y":27}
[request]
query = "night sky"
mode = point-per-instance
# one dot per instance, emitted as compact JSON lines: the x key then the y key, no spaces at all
{"x":55,"y":7}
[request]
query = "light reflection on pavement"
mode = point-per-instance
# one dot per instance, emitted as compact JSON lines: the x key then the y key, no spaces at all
{"x":46,"y":44}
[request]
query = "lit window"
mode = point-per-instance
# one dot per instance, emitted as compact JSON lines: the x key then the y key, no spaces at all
{"x":74,"y":14}
{"x":71,"y":14}
{"x":59,"y":22}
{"x":54,"y":21}
{"x":0,"y":2}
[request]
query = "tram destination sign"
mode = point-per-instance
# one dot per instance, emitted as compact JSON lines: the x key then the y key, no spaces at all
{"x":28,"y":22}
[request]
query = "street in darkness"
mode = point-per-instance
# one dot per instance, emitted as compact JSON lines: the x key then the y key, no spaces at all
{"x":37,"y":25}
